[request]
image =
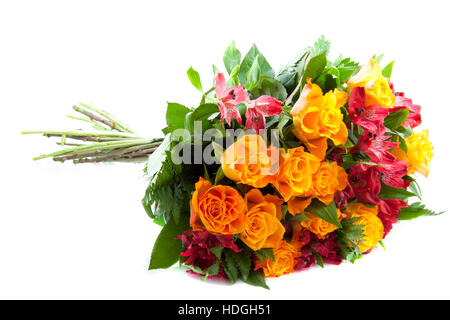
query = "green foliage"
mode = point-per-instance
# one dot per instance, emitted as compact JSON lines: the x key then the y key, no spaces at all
{"x":256,"y":278}
{"x":416,"y":210}
{"x":387,"y":71}
{"x":238,"y":265}
{"x":336,"y":74}
{"x":264,"y":254}
{"x":170,"y":185}
{"x":396,"y":119}
{"x":167,"y":248}
{"x":289,"y":74}
{"x":231,"y":58}
{"x":247,"y":63}
{"x":348,"y":238}
{"x":175,"y":115}
{"x":327,"y":213}
{"x":271,"y":87}
{"x":253,"y":75}
{"x":201,"y":113}
{"x":388,"y":192}
{"x":194,"y":77}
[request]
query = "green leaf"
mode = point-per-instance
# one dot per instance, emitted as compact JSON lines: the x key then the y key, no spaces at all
{"x":194,"y":77}
{"x":327,"y":213}
{"x":289,"y":74}
{"x":253,"y":75}
{"x":256,"y":278}
{"x":348,"y":237}
{"x":167,"y":247}
{"x":297,"y":217}
{"x":213,"y":270}
{"x":157,"y":158}
{"x":201,"y":113}
{"x":175,"y":116}
{"x":379,"y":57}
{"x":415,"y":188}
{"x":321,"y":46}
{"x":229,"y":266}
{"x":233,"y":80}
{"x":416,"y":210}
{"x":396,"y":119}
{"x":319,"y":258}
{"x":243,"y":262}
{"x":246,"y":64}
{"x":388,"y":192}
{"x":387,"y":71}
{"x":217,"y":251}
{"x":231,"y":57}
{"x":264,"y":254}
{"x":271,"y":87}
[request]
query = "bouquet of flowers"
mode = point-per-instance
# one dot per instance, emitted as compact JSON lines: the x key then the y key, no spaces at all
{"x":273,"y":171}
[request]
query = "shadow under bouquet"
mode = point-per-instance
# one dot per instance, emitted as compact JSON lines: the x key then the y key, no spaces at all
{"x":273,"y":171}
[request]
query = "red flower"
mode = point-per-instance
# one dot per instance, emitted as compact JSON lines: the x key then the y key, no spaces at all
{"x":375,"y":145}
{"x":392,"y":171}
{"x":229,"y":99}
{"x":341,"y":197}
{"x":258,"y":110}
{"x":327,"y":248}
{"x":197,"y":245}
{"x":370,"y":118}
{"x":365,"y":183}
{"x":414,"y":118}
{"x":388,"y":211}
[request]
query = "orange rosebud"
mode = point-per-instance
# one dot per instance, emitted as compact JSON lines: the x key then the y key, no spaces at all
{"x":295,"y":174}
{"x":285,"y":259}
{"x":373,"y":227}
{"x":377,"y":89}
{"x":319,"y":226}
{"x":218,"y":209}
{"x":263,"y":228}
{"x":420,"y":153}
{"x":327,"y":180}
{"x":248,"y":161}
{"x":318,"y":117}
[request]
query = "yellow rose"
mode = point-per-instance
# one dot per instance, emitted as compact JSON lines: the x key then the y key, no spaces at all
{"x":295,"y":172}
{"x":285,"y":259}
{"x":373,"y":227}
{"x":319,"y":226}
{"x":248,"y":161}
{"x":263,"y":228}
{"x":318,"y":117}
{"x":375,"y":84}
{"x":420,"y":153}
{"x":327,"y":180}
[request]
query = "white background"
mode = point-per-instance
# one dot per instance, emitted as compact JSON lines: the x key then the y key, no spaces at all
{"x":79,"y":231}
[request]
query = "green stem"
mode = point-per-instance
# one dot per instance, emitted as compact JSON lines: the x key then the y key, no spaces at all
{"x":120,"y":126}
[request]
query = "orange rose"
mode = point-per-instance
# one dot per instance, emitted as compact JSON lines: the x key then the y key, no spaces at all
{"x":285,"y":259}
{"x":295,"y":174}
{"x":328,"y":179}
{"x":373,"y":227}
{"x":318,"y":117}
{"x":263,"y":228}
{"x":319,"y":226}
{"x":376,"y":86}
{"x":248,"y":161}
{"x":420,"y":153}
{"x":218,"y":209}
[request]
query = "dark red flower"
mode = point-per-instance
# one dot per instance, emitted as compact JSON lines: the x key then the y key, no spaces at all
{"x":365,"y":183}
{"x":370,"y":118}
{"x":341,"y":197}
{"x":197,"y":246}
{"x":388,"y":211}
{"x":327,"y":248}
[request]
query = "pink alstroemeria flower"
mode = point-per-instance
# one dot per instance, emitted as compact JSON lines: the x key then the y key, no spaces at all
{"x":258,"y":110}
{"x":229,"y":99}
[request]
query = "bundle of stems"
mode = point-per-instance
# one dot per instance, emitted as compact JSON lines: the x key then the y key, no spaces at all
{"x":111,"y":140}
